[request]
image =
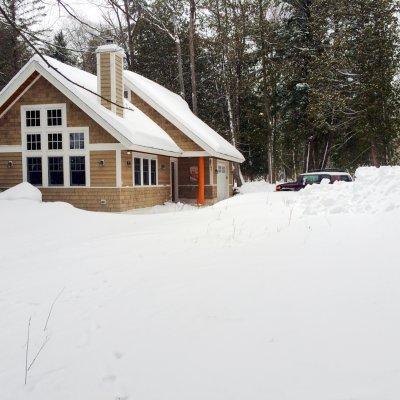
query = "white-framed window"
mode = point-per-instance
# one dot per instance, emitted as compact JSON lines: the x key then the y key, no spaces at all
{"x":77,"y":140}
{"x":52,"y":153}
{"x":54,"y":141}
{"x":33,"y":141}
{"x":54,"y":117}
{"x":145,"y":170}
{"x":77,"y":166}
{"x":34,"y":171}
{"x":56,"y":171}
{"x":32,"y":118}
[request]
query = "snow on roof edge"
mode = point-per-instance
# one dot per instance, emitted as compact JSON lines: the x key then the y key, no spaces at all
{"x":234,"y":155}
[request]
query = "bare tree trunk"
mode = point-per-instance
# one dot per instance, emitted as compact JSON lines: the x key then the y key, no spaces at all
{"x":130,"y":38}
{"x":374,"y":153}
{"x":267,"y":102}
{"x":180,"y":64}
{"x":192,"y":55}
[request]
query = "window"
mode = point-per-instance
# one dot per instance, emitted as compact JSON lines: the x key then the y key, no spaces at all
{"x":146,"y":171}
{"x":32,"y":118}
{"x":77,"y":171}
{"x":55,"y":141}
{"x":138,"y":171}
{"x":153,"y":172}
{"x":34,"y":167}
{"x":33,"y":141}
{"x":76,"y":140}
{"x":56,"y":171}
{"x":54,"y":117}
{"x":310,"y":179}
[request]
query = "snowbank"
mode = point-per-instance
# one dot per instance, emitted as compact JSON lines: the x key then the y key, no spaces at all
{"x":374,"y":190}
{"x":22,"y":191}
{"x":256,"y":187}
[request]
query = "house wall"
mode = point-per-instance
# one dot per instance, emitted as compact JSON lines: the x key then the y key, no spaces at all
{"x":184,"y":142}
{"x":10,"y":176}
{"x":103,"y":175}
{"x":108,"y":199}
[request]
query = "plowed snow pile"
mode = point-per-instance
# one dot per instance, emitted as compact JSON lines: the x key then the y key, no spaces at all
{"x":374,"y":190}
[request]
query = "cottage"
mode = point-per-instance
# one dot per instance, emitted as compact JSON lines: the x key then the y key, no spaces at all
{"x":137,"y":144}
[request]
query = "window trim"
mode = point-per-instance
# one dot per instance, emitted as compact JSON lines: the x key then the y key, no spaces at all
{"x":65,"y":152}
{"x":144,"y":157}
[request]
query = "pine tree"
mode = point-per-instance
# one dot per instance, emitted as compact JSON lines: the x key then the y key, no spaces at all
{"x":14,"y":51}
{"x":375,"y":60}
{"x":59,"y":49}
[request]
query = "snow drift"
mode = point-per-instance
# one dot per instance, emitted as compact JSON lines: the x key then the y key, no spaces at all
{"x":22,"y":191}
{"x":374,"y":190}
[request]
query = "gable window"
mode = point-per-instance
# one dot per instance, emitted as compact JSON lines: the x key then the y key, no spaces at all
{"x":77,"y":171}
{"x":55,"y":141}
{"x":138,"y":171}
{"x":76,"y":140}
{"x":56,"y":171}
{"x":32,"y":118}
{"x":33,"y":141}
{"x":34,"y":168}
{"x":54,"y":117}
{"x":145,"y":171}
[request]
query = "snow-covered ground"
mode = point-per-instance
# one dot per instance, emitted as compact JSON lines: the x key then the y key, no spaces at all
{"x":283,"y":296}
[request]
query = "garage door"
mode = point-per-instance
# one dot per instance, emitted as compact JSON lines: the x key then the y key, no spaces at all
{"x":222,"y":181}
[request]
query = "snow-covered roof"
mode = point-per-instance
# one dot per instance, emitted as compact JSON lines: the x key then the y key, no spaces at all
{"x":135,"y":131}
{"x":172,"y":107}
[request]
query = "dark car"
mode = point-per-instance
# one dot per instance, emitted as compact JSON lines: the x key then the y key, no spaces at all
{"x":313,"y":177}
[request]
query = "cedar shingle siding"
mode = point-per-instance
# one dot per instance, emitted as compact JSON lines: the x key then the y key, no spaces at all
{"x":185,"y":143}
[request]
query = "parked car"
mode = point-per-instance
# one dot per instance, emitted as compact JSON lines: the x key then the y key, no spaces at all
{"x":311,"y":178}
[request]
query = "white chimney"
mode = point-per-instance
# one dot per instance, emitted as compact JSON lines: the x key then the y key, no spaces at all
{"x":110,"y":67}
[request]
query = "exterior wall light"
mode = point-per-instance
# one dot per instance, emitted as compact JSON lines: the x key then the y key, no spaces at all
{"x":102,"y":163}
{"x":10,"y":164}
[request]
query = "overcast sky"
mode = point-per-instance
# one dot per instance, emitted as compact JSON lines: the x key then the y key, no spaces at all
{"x":56,"y":17}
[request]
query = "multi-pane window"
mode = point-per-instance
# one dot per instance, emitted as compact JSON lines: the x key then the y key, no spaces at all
{"x":77,"y":171}
{"x":54,"y":117}
{"x":56,"y":171}
{"x":138,"y":171}
{"x":76,"y":140}
{"x":34,"y":169}
{"x":33,"y":141}
{"x":55,"y":141}
{"x":32,"y":118}
{"x":153,"y":172}
{"x":146,"y":171}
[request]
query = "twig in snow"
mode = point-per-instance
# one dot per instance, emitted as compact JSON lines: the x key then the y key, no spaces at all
{"x":27,"y":350}
{"x":38,"y":352}
{"x":290,"y":215}
{"x":51,"y":308}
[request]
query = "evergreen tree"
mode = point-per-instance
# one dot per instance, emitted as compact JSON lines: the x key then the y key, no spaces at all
{"x":14,"y":51}
{"x":59,"y":49}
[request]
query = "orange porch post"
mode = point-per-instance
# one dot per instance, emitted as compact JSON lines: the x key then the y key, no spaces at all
{"x":200,"y":193}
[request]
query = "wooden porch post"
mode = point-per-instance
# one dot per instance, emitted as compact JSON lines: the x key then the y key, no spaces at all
{"x":200,"y":193}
